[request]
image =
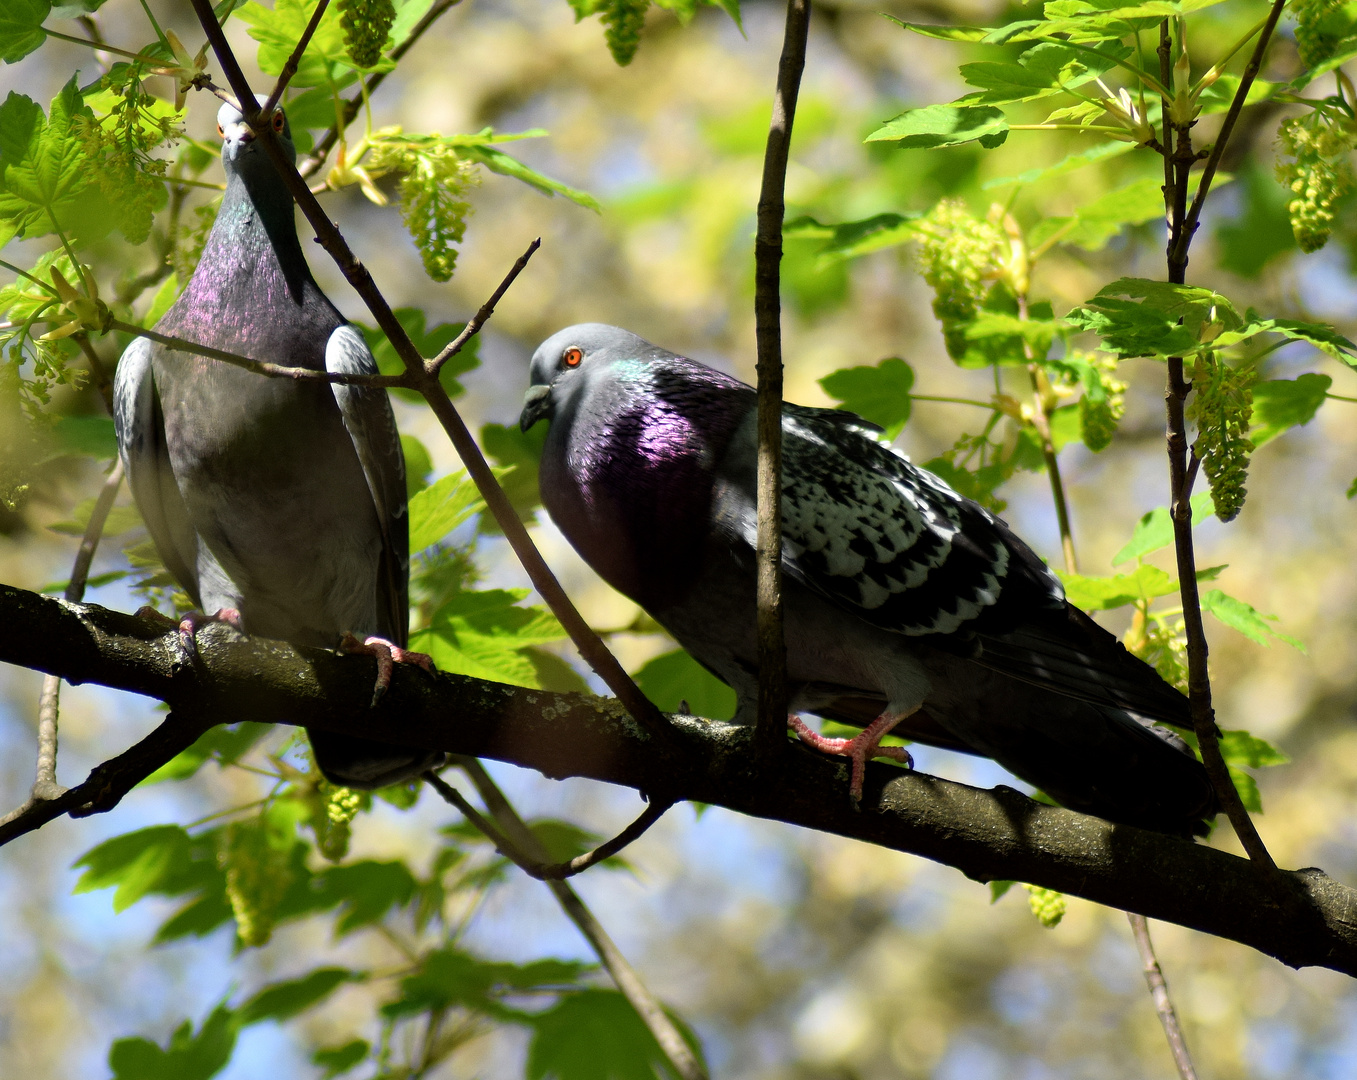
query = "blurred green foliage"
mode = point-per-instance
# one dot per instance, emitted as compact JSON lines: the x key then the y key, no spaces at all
{"x":1027,"y":211}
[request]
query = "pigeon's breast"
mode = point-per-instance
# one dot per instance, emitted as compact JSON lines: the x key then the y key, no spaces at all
{"x":631,"y":487}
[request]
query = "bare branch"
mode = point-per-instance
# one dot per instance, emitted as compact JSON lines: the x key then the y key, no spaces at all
{"x":1300,"y":917}
{"x":473,"y":326}
{"x":544,"y":871}
{"x":1178,"y":159}
{"x":1226,"y":128}
{"x":109,"y":782}
{"x":772,"y":651}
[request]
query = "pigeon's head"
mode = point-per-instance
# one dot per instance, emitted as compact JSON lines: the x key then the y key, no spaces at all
{"x":571,"y":360}
{"x":240,"y":150}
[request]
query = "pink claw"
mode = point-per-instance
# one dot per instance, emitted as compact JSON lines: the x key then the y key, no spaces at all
{"x":387,"y":654}
{"x":858,"y":749}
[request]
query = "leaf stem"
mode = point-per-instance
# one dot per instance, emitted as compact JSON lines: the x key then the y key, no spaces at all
{"x":100,"y":46}
{"x":159,"y":33}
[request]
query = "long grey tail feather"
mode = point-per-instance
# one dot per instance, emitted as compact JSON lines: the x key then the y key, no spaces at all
{"x":1144,"y":776}
{"x":1082,"y":660}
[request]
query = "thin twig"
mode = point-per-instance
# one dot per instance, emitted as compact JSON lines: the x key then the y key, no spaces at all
{"x":45,"y":786}
{"x":550,"y":871}
{"x":110,"y":781}
{"x":295,"y":58}
{"x":645,"y":1003}
{"x":473,"y":326}
{"x":1159,"y":990}
{"x":1163,"y":1004}
{"x":260,"y":367}
{"x":771,"y":735}
{"x":590,"y":646}
{"x":1227,"y":127}
{"x":98,"y":372}
{"x":308,"y":165}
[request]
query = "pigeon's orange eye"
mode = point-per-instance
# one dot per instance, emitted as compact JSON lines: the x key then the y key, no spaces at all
{"x":572,"y":357}
{"x":221,"y":131}
{"x":278,"y":120}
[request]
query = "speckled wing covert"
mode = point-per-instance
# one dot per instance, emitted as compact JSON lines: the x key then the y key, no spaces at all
{"x":894,"y":544}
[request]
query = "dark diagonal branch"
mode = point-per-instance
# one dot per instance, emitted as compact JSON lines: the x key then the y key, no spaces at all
{"x":474,"y":324}
{"x":772,"y":721}
{"x":1300,"y":917}
{"x":534,"y":868}
{"x":590,"y":646}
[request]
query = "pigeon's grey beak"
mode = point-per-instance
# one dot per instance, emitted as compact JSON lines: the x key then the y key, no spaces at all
{"x":536,"y":405}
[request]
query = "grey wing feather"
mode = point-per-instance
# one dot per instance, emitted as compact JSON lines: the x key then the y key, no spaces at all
{"x":140,"y":426}
{"x":887,"y":540}
{"x":891,"y":542}
{"x":372,"y":427}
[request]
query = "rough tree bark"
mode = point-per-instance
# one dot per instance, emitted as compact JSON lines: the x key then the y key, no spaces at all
{"x":1300,"y":917}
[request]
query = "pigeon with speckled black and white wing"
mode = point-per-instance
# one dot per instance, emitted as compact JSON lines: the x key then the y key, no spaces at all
{"x":907,"y":607}
{"x":279,"y":504}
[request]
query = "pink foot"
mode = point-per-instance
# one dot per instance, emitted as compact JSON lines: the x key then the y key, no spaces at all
{"x":387,"y":655}
{"x":858,"y":749}
{"x":190,"y":624}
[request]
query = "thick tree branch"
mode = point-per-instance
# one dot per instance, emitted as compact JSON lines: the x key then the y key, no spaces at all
{"x":1300,"y":917}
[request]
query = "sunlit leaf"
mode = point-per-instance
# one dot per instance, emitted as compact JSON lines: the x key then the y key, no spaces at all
{"x":482,"y":634}
{"x":944,"y":125}
{"x":1101,"y":593}
{"x":1246,"y":619}
{"x":441,"y":507}
{"x":21,"y":28}
{"x":1281,"y":404}
{"x":672,"y":678}
{"x":879,"y":394}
